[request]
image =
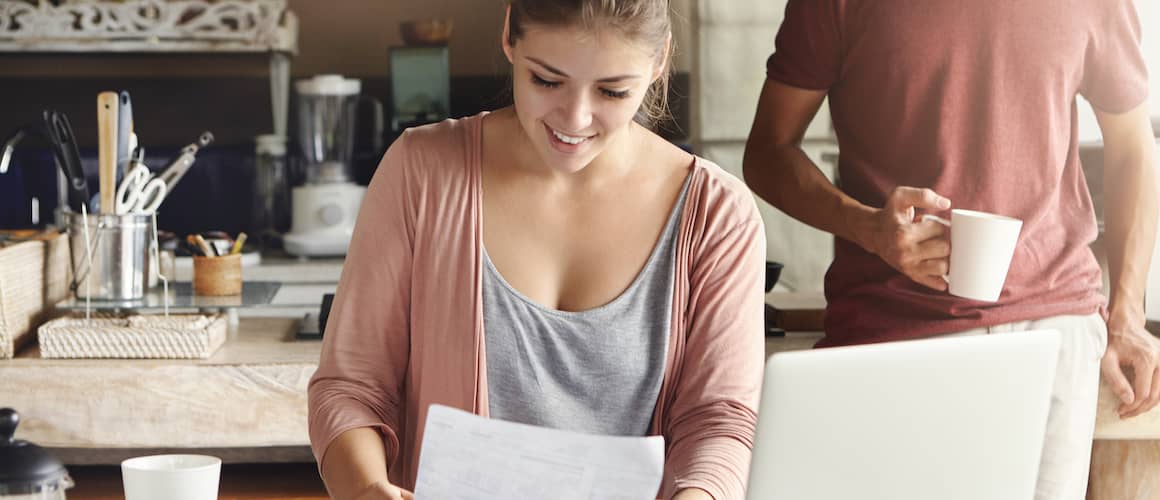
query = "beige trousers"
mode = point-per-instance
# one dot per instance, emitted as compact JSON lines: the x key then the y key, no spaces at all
{"x":1063,"y":467}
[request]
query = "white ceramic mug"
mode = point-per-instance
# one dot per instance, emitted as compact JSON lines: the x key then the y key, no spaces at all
{"x":172,"y":477}
{"x":982,"y":245}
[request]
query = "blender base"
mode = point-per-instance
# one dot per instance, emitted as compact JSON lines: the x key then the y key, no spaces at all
{"x":323,"y":219}
{"x":316,"y":244}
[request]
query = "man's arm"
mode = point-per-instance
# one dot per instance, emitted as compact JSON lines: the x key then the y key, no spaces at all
{"x":779,"y":171}
{"x":1130,"y":190}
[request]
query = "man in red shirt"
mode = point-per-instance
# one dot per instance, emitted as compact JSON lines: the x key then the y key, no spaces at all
{"x":973,"y":104}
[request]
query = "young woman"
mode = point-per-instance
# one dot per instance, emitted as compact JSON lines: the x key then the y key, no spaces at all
{"x":552,"y":263}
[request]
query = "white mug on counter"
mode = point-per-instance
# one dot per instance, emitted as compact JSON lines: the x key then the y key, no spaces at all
{"x":982,"y":245}
{"x":172,"y":477}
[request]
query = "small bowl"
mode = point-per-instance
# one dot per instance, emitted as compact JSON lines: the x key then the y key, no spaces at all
{"x":772,"y":273}
{"x":426,"y":32}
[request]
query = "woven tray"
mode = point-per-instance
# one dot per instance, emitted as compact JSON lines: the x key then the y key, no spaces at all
{"x":138,"y":337}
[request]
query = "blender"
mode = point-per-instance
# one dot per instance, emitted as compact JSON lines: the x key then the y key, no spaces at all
{"x":326,"y":204}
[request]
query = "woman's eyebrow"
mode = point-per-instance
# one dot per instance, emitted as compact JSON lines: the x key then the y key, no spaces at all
{"x":561,"y":73}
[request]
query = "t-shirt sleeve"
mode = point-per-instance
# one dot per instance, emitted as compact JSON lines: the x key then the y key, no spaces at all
{"x":1115,"y":77}
{"x":807,"y":51}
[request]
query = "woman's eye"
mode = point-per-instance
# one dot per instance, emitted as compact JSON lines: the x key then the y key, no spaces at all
{"x":544,"y":83}
{"x":615,"y":94}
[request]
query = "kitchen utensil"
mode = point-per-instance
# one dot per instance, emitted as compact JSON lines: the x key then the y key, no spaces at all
{"x":27,"y":471}
{"x":175,"y":170}
{"x":139,"y":191}
{"x":107,"y":109}
{"x":10,"y":146}
{"x":124,"y":130}
{"x":60,"y":133}
{"x":30,"y":176}
{"x":119,"y":247}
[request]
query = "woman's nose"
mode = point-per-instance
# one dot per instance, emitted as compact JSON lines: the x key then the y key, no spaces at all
{"x":577,"y":111}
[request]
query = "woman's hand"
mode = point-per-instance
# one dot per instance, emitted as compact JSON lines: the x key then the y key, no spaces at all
{"x":692,"y":494}
{"x":384,"y":491}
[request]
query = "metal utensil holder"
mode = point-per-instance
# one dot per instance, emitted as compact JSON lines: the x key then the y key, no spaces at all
{"x":117,"y":246}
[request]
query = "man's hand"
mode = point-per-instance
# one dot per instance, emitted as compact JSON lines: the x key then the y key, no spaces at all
{"x":919,"y":249}
{"x":1130,"y":345}
{"x":384,"y":491}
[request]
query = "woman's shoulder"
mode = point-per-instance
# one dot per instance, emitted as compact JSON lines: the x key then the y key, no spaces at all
{"x":452,"y":137}
{"x":438,"y":151}
{"x":725,"y":198}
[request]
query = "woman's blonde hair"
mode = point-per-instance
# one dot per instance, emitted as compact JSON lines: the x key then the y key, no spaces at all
{"x":643,"y":21}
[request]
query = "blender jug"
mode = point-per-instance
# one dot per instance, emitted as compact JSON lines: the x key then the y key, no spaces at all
{"x":327,"y":108}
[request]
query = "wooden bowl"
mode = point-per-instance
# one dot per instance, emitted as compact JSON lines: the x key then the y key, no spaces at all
{"x":426,"y":32}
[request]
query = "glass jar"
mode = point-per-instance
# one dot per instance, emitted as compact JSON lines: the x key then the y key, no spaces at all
{"x":271,"y":210}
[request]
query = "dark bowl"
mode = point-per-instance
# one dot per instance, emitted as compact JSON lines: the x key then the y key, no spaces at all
{"x":772,"y":273}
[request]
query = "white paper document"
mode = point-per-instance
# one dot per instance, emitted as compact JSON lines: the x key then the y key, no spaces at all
{"x":465,"y":456}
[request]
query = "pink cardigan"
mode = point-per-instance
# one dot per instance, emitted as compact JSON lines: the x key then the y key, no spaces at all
{"x":406,"y":329}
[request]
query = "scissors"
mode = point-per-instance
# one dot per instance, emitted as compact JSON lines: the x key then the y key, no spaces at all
{"x":60,"y":133}
{"x":139,"y":191}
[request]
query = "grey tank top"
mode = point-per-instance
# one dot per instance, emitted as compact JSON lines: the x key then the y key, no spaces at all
{"x":597,"y":371}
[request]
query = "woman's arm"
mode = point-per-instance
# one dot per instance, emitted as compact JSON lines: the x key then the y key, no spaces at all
{"x":711,"y":420}
{"x":355,"y":465}
{"x":356,"y":397}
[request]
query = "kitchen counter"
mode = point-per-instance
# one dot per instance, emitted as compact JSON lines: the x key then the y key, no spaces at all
{"x":248,"y":399}
{"x":247,"y":403}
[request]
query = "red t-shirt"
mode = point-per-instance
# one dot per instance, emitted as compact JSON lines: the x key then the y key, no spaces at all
{"x":977,"y":101}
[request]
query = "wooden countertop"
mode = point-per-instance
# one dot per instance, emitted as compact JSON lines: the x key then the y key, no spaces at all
{"x":795,"y":311}
{"x":251,"y":394}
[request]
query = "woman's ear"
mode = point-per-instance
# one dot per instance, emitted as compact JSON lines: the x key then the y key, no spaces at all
{"x":507,"y":47}
{"x":666,"y":58}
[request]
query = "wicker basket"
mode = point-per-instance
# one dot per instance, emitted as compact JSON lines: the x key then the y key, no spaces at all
{"x":34,"y":276}
{"x":139,"y":337}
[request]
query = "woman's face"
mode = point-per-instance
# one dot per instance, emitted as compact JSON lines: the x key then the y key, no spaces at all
{"x":577,"y":91}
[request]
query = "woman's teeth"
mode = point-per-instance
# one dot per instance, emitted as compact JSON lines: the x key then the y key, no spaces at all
{"x":568,"y":139}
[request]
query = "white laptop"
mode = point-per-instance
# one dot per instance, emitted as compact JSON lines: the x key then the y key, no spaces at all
{"x":960,"y":418}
